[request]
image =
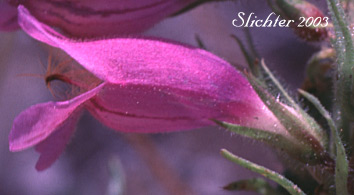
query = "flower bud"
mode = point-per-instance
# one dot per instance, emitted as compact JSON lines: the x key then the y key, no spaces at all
{"x":318,"y":79}
{"x":309,"y":22}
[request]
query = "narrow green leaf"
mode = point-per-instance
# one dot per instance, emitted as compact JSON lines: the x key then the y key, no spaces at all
{"x":250,"y":42}
{"x":321,"y":109}
{"x":281,"y":180}
{"x":258,"y":185}
{"x":341,"y":157}
{"x":249,"y":57}
{"x":276,"y":140}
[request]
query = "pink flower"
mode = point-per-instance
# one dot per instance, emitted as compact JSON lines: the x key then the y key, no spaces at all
{"x":92,"y":18}
{"x":147,"y":86}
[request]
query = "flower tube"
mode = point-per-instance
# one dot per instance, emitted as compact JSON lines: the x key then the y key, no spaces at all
{"x":147,"y":86}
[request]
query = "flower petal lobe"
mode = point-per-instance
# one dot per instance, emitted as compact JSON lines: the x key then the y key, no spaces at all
{"x":51,"y":148}
{"x":37,"y":122}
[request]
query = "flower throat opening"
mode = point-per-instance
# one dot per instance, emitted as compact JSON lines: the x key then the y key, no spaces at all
{"x":65,"y":78}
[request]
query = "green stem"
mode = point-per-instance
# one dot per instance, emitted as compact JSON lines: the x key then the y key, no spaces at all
{"x":341,"y":171}
{"x":345,"y":54}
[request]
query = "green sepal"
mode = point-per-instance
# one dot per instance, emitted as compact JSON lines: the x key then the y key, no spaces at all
{"x":315,"y":129}
{"x":297,"y":127}
{"x":278,"y":141}
{"x":249,"y":57}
